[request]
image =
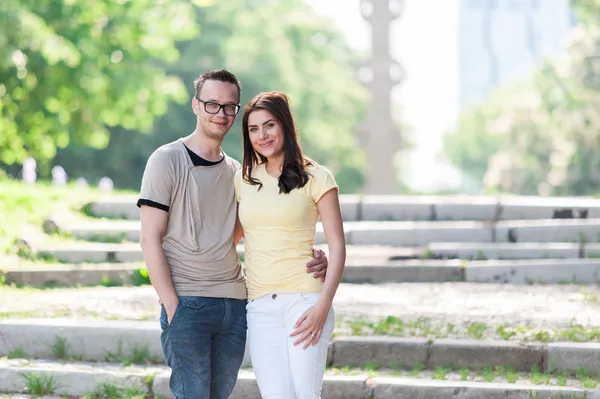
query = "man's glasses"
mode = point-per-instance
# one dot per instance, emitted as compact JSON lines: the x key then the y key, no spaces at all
{"x":214,"y":108}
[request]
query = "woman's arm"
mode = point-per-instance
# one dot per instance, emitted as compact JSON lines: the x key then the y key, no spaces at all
{"x":310,"y":324}
{"x":331,"y":217}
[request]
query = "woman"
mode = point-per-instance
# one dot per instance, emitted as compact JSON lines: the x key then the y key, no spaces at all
{"x":281,"y":194}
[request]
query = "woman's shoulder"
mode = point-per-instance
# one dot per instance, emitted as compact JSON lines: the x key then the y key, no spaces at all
{"x":316,"y":170}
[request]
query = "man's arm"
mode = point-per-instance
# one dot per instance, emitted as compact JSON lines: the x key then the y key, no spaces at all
{"x":238,"y":231}
{"x":318,"y":265}
{"x":154,"y":224}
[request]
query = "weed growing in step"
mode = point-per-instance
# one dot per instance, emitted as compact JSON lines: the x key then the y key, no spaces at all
{"x":108,"y":282}
{"x":59,"y":348}
{"x":17,"y":353}
{"x":112,"y":391}
{"x":140,"y":354}
{"x":440,"y":373}
{"x":108,"y":238}
{"x":425,"y":328}
{"x":488,"y":374}
{"x":505,"y":332}
{"x":511,"y":374}
{"x":582,"y":378}
{"x":39,"y":384}
{"x":476,"y":330}
{"x":417,"y":368}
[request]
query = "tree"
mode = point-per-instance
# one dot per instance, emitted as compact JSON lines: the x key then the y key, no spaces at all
{"x":540,"y":136}
{"x":70,"y":69}
{"x":269,"y":45}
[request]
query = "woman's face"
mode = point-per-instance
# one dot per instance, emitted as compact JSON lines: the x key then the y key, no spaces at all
{"x":266,"y":134}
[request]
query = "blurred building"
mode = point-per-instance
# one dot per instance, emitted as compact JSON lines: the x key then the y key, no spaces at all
{"x":503,"y":40}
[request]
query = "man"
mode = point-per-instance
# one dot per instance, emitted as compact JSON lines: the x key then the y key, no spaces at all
{"x":188,"y":218}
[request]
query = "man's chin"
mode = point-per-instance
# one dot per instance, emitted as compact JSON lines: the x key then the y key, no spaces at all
{"x":217,"y":134}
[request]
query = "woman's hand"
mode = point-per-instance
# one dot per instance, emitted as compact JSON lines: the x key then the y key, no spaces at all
{"x":310,"y":324}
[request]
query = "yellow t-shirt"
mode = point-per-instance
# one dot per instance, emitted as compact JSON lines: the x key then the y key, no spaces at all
{"x":279,"y":231}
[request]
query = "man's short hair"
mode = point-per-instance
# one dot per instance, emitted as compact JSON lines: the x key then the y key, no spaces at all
{"x":220,"y":75}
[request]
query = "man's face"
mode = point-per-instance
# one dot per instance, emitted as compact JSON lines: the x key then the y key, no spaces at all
{"x":216,"y":93}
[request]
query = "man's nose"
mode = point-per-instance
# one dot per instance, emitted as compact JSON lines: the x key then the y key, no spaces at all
{"x":222,"y":112}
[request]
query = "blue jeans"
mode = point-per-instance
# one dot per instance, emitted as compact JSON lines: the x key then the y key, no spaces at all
{"x":204,"y":346}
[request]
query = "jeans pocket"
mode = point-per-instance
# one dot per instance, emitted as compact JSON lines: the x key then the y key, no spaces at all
{"x":191,"y":302}
{"x":164,"y":319}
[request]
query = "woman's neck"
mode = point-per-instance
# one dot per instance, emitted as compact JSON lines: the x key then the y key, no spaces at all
{"x":274,"y":166}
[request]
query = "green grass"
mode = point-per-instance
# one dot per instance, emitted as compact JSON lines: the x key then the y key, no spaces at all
{"x":17,"y":353}
{"x":112,"y":391}
{"x":582,"y":378}
{"x":425,"y":328}
{"x":22,"y":204}
{"x":39,"y":384}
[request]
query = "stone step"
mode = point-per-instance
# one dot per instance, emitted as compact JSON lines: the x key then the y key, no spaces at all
{"x":82,"y":252}
{"x":390,"y":233}
{"x":528,"y":250}
{"x":70,"y":275}
{"x":358,"y":270}
{"x":90,"y":252}
{"x":112,"y":340}
{"x":398,"y":207}
{"x":78,"y":379}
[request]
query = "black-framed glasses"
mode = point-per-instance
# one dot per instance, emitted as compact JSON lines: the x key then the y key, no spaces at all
{"x":214,"y":108}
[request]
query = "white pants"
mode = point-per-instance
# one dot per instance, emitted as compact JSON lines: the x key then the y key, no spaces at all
{"x":285,"y":371}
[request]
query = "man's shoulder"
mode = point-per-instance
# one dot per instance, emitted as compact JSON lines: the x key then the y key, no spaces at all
{"x":167,"y":153}
{"x":232,"y":162}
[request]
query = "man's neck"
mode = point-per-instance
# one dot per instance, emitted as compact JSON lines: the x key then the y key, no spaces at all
{"x":207,"y":148}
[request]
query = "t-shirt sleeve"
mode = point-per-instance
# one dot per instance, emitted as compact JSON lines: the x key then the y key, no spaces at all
{"x":237,"y":182}
{"x":322,"y":181}
{"x":157,"y":182}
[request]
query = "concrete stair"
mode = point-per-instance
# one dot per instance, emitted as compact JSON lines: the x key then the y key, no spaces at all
{"x":411,"y":208}
{"x":95,"y":351}
{"x":409,"y":234}
{"x":78,"y":379}
{"x":97,"y":340}
{"x":508,"y":240}
{"x":358,"y":271}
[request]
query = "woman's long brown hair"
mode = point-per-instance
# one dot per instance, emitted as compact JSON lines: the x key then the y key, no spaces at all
{"x":293,"y":174}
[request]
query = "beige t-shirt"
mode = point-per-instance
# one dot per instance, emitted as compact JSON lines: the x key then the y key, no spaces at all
{"x":201,"y":203}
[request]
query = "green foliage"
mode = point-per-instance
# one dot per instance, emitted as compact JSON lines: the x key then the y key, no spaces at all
{"x":22,"y":204}
{"x":279,"y":45}
{"x":540,"y":136}
{"x":70,"y":68}
{"x":140,"y":277}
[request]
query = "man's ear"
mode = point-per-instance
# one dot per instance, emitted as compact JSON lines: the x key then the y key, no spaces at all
{"x":195,"y":105}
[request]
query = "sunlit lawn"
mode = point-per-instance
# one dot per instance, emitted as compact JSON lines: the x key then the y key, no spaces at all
{"x":22,"y":204}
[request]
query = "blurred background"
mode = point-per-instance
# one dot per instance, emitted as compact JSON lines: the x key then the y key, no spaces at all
{"x":473,"y":96}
